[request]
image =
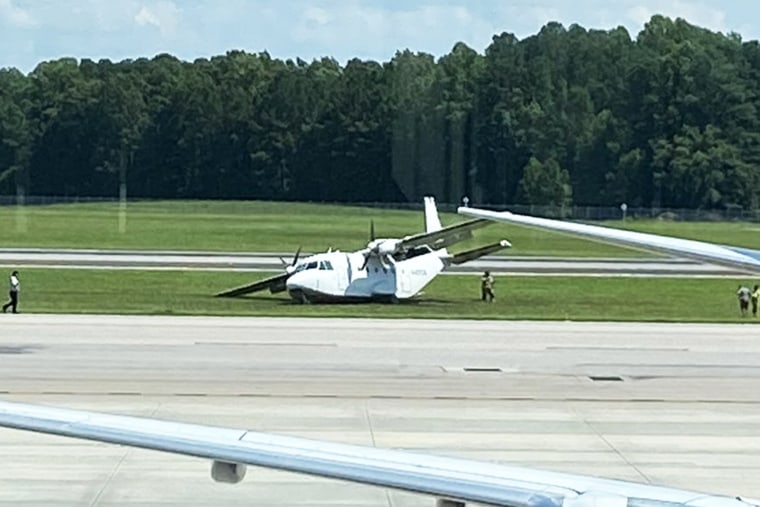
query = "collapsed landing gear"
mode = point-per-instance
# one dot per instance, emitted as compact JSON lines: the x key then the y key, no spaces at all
{"x":300,"y":297}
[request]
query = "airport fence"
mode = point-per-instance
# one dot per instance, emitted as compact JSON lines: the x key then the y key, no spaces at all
{"x":590,"y":213}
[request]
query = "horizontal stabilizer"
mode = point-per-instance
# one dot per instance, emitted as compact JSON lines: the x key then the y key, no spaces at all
{"x":476,"y":253}
{"x":275,"y":284}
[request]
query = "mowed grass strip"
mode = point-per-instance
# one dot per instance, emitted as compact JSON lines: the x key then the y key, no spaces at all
{"x":252,"y":227}
{"x":282,"y":227}
{"x":448,"y":297}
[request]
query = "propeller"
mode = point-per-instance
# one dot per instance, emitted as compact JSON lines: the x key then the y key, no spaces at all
{"x":378,"y":248}
{"x":295,"y":257}
{"x":288,"y":266}
{"x":371,"y":240}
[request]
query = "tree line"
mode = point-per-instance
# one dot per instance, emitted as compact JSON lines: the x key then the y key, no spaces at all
{"x":669,"y":118}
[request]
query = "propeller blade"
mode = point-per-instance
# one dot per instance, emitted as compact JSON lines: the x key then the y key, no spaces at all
{"x":295,"y":258}
{"x":372,"y":230}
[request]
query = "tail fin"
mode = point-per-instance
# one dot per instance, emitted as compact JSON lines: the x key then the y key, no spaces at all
{"x":432,"y":222}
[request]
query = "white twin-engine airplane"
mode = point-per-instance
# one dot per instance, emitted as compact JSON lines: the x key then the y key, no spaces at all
{"x":386,"y":270}
{"x":453,"y":482}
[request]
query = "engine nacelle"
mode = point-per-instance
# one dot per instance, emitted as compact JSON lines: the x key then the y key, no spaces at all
{"x":230,"y":473}
{"x":387,"y":247}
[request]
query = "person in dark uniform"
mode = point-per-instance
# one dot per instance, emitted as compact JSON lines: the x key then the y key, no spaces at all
{"x":13,"y":293}
{"x":486,"y":287}
{"x":744,"y":295}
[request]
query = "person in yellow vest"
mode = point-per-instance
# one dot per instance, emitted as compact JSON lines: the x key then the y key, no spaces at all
{"x":755,"y":297}
{"x":486,"y":287}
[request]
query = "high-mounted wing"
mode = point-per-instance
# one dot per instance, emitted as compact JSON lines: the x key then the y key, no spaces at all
{"x":452,"y":479}
{"x":445,"y":237}
{"x":735,"y":257}
{"x":436,"y":240}
{"x":435,"y":237}
{"x":476,"y":253}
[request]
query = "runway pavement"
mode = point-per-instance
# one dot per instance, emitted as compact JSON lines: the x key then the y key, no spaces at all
{"x":122,"y":259}
{"x":662,"y":403}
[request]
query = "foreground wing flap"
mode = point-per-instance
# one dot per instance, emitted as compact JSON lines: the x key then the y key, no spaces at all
{"x":744,"y":259}
{"x":479,"y":482}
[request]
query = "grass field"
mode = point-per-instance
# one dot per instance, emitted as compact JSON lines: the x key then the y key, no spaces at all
{"x":563,"y":298}
{"x":283,"y":227}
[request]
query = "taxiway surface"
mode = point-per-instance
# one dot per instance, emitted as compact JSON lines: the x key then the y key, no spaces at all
{"x":662,"y":403}
{"x":508,"y":265}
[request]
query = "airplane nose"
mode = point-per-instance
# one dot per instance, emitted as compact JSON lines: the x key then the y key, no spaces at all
{"x":295,"y":282}
{"x":298,"y":289}
{"x":300,"y":283}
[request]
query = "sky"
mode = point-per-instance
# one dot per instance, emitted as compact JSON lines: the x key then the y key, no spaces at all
{"x":32,"y":31}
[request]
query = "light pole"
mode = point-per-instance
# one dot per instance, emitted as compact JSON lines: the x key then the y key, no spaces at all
{"x":122,"y":194}
{"x":21,"y":222}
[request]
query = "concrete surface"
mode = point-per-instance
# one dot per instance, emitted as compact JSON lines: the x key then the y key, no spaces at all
{"x":511,"y":265}
{"x":663,"y":403}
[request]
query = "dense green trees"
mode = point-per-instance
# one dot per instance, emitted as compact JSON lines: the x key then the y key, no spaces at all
{"x":569,"y":115}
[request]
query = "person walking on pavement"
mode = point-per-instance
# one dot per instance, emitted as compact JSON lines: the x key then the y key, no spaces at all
{"x":13,"y":293}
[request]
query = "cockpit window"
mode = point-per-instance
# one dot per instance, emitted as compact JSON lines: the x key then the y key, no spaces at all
{"x":412,"y":253}
{"x":304,"y":267}
{"x":325,"y":265}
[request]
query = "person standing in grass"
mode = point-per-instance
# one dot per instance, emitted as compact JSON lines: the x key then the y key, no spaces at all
{"x":743,"y":293}
{"x":755,"y":296}
{"x":13,"y":293}
{"x":486,"y":287}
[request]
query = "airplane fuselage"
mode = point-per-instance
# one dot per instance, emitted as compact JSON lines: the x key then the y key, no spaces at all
{"x":347,"y":276}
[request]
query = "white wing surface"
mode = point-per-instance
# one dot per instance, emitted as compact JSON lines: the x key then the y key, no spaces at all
{"x":444,"y":478}
{"x":735,"y":257}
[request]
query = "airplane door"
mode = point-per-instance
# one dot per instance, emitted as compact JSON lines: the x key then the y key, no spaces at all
{"x":343,"y":269}
{"x":406,"y":281}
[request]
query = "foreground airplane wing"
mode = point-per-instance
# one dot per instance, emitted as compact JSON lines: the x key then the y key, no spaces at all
{"x":742,"y":258}
{"x":275,"y":284}
{"x":454,"y":480}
